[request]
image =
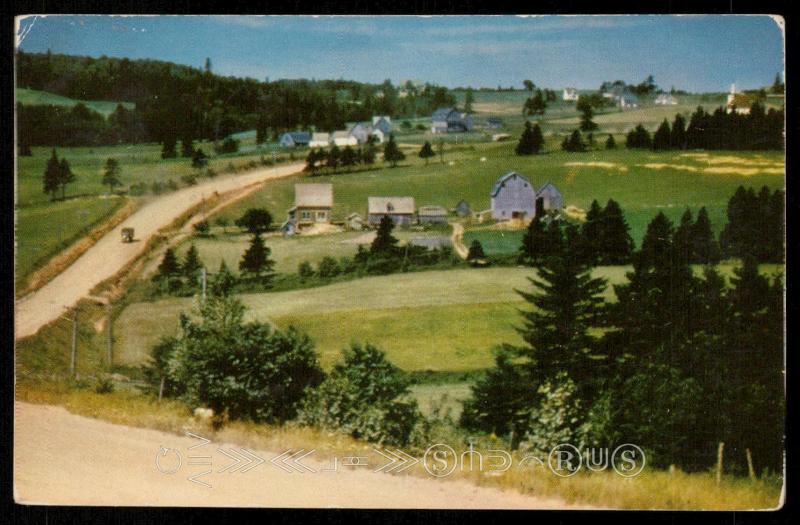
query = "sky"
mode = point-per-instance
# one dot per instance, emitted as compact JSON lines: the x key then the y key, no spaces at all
{"x":695,"y":53}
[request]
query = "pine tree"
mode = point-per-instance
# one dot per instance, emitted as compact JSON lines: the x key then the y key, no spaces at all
{"x":111,"y":174}
{"x":677,"y":138}
{"x":682,"y":238}
{"x":610,"y":142}
{"x":573,"y":142}
{"x":191,"y":263}
{"x":348,"y":157}
{"x":526,"y":145}
{"x":616,"y":244}
{"x":168,"y":267}
{"x":168,"y":147}
{"x":592,"y":247}
{"x":52,"y":176}
{"x":391,"y":153}
{"x":384,"y":243}
{"x":530,"y":251}
{"x":475,"y":251}
{"x":334,"y":157}
{"x":661,"y":138}
{"x":256,"y":262}
{"x":704,"y":247}
{"x":223,"y":281}
{"x":426,"y":152}
{"x":65,"y":176}
{"x":584,"y":105}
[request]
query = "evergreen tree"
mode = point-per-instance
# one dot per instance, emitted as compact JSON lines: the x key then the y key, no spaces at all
{"x":592,"y":249}
{"x":111,"y":174}
{"x":187,"y":147}
{"x":530,"y":142}
{"x":475,"y":251}
{"x":610,"y":142}
{"x":392,"y":153}
{"x":426,"y":152}
{"x":191,"y":264}
{"x":638,"y":137}
{"x":168,"y":147}
{"x":662,"y":136}
{"x":530,"y":251}
{"x":256,"y":262}
{"x":52,"y":176}
{"x":333,"y":158}
{"x":348,"y":157}
{"x":312,"y":158}
{"x":169,"y":266}
{"x":677,"y":138}
{"x":223,"y":281}
{"x":616,"y":244}
{"x":574,"y":142}
{"x":682,"y":238}
{"x":704,"y":247}
{"x":584,"y":105}
{"x":199,"y":159}
{"x":469,"y":99}
{"x":384,"y":243}
{"x":65,"y":176}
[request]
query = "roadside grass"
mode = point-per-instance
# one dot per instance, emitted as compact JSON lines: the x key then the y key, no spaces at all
{"x":44,"y":230}
{"x":652,"y":489}
{"x":32,"y":97}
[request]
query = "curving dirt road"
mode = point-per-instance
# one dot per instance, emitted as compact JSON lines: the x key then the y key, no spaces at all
{"x":457,"y":239}
{"x":64,"y":459}
{"x":108,"y":256}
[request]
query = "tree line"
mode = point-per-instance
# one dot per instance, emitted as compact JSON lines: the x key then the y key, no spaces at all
{"x":175,"y":102}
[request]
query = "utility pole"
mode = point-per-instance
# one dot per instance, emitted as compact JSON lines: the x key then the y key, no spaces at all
{"x":74,"y":343}
{"x":203,"y":280}
{"x":110,"y":333}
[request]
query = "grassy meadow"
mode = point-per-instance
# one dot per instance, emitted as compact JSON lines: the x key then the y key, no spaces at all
{"x":32,"y":97}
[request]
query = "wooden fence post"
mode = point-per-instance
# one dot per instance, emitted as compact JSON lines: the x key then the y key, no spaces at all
{"x":750,"y":470}
{"x":719,"y":461}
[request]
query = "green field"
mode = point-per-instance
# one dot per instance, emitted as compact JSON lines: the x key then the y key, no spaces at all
{"x":31,"y":97}
{"x":436,"y":320}
{"x":643,"y":182}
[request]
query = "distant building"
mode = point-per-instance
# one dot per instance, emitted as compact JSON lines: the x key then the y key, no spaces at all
{"x":741,"y":102}
{"x":494,"y":123}
{"x":312,"y":204}
{"x":400,"y":209}
{"x":432,"y":243}
{"x":514,"y":197}
{"x":320,"y":140}
{"x":622,"y":96}
{"x":383,"y":123}
{"x":354,"y":221}
{"x":570,"y":94}
{"x":665,"y":99}
{"x":294,"y":139}
{"x":463,"y":209}
{"x":362,"y":131}
{"x":432,"y":215}
{"x":343,"y":139}
{"x":449,"y":120}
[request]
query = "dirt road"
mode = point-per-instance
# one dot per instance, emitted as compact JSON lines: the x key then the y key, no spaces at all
{"x":108,"y":256}
{"x":458,"y":239}
{"x":64,"y":459}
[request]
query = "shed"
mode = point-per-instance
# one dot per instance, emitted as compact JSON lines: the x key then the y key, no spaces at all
{"x":354,"y":221}
{"x":399,"y":209}
{"x":463,"y":209}
{"x":294,"y":139}
{"x":548,"y":199}
{"x":432,"y":215}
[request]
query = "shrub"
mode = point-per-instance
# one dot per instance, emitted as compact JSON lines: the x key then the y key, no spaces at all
{"x":366,"y":397}
{"x":104,"y":385}
{"x":210,"y":173}
{"x":171,"y":185}
{"x":305,"y":271}
{"x":242,"y":370}
{"x":229,"y":145}
{"x":202,"y":228}
{"x":190,"y":179}
{"x":328,"y":267}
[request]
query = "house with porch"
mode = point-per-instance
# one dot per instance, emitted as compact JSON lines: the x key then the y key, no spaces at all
{"x":312,"y":205}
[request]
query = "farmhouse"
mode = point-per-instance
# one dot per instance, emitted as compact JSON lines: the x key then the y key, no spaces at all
{"x":449,"y":120}
{"x":399,"y":209}
{"x":570,"y":94}
{"x":342,"y":139}
{"x":622,"y":96}
{"x":741,"y":102}
{"x":362,"y":131}
{"x":320,"y":140}
{"x":383,"y":123}
{"x":312,"y":204}
{"x":432,"y":215}
{"x":665,"y":99}
{"x":294,"y":139}
{"x":514,"y":197}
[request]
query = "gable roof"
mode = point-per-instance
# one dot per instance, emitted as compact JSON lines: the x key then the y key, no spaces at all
{"x":403,"y":205}
{"x":501,"y":181}
{"x":313,"y":195}
{"x":377,"y":119}
{"x":340,"y":135}
{"x":548,"y":185}
{"x":442,"y":113}
{"x":299,"y":136}
{"x":321,"y":137}
{"x":429,"y":211}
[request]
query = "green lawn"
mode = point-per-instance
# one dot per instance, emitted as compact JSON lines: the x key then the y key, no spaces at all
{"x":436,"y":320}
{"x":31,"y":97}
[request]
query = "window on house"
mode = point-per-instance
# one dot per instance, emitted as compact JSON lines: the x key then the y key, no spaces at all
{"x":305,"y":215}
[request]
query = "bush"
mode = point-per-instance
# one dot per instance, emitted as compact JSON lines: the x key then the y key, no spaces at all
{"x":210,"y":173}
{"x":171,"y":185}
{"x":328,"y":267}
{"x":104,"y":385}
{"x":366,"y":397}
{"x":202,"y":228}
{"x":190,"y":179}
{"x":305,"y":271}
{"x":242,"y":370}
{"x":138,"y":189}
{"x":229,"y":145}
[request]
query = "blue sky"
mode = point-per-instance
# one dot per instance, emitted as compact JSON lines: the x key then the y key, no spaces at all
{"x":697,"y":53}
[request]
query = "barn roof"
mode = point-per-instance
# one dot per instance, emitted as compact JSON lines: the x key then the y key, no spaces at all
{"x":313,"y":195}
{"x":442,"y":113}
{"x":503,"y":179}
{"x":548,"y":185}
{"x":431,"y":211}
{"x":403,"y":205}
{"x":300,"y":136}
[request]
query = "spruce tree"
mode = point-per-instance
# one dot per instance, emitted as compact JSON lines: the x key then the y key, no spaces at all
{"x":169,"y":266}
{"x":256,"y":262}
{"x":592,"y":248}
{"x":529,"y":252}
{"x":191,"y":264}
{"x":677,"y":138}
{"x":682,"y":238}
{"x":616,"y":244}
{"x":610,"y":142}
{"x":475,"y":251}
{"x":111,"y":174}
{"x":662,"y":136}
{"x":65,"y":176}
{"x":223,"y":281}
{"x":426,"y":152}
{"x":392,"y":153}
{"x":384,"y":243}
{"x":704,"y":247}
{"x":52,"y":176}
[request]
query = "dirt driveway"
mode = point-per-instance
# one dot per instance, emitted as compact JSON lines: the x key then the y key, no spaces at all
{"x":108,"y":256}
{"x":64,"y":459}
